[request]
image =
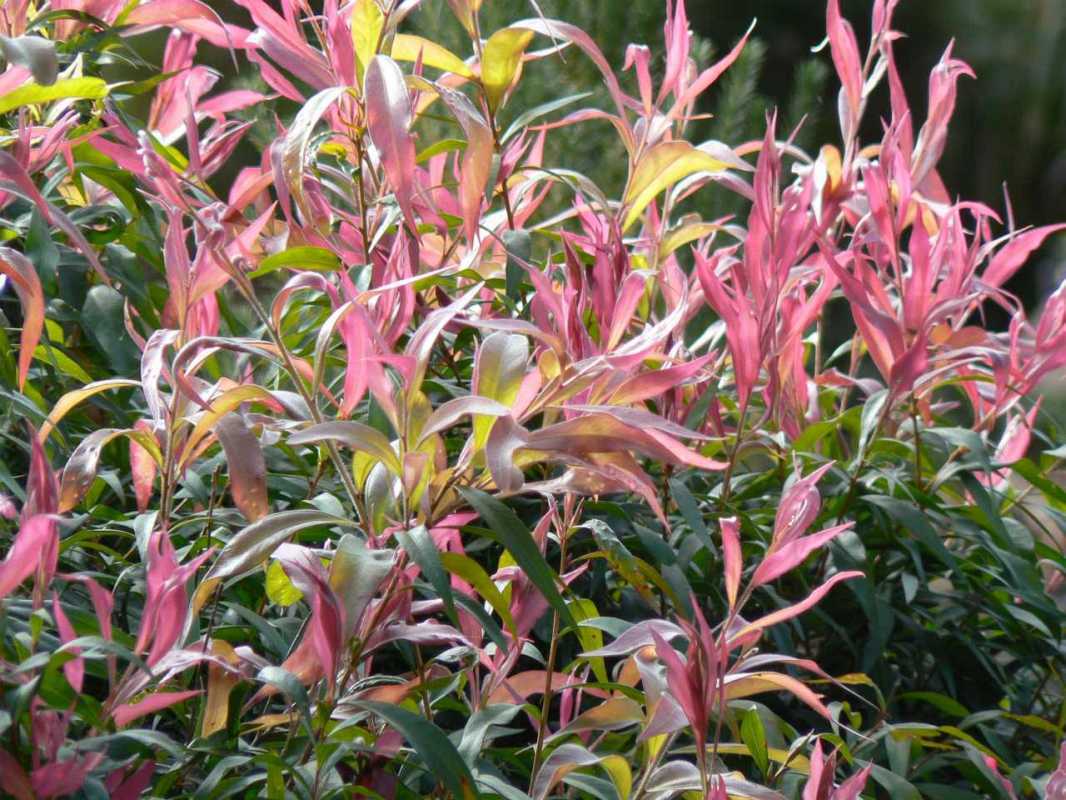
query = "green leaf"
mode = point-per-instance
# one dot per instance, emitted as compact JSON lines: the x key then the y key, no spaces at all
{"x":356,"y":573}
{"x":516,"y":538}
{"x":103,"y":319}
{"x":519,"y":247}
{"x":312,"y":259}
{"x":367,"y":24}
{"x":914,"y":522}
{"x":659,"y":168}
{"x":948,"y":705}
{"x":473,"y":573}
{"x":422,"y":550}
{"x":435,"y":749}
{"x":71,"y":88}
{"x":754,"y":736}
{"x":291,"y":686}
{"x":477,"y":728}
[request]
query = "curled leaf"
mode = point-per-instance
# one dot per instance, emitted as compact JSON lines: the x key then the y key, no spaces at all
{"x":662,"y":166}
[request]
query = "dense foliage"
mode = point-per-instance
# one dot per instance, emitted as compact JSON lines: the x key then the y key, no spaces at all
{"x":409,"y":461}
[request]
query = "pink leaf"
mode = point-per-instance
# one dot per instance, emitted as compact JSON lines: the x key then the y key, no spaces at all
{"x":792,"y":554}
{"x":126,"y":713}
{"x":710,"y":75}
{"x":246,"y":465}
{"x":388,"y":109}
{"x":477,"y":158}
{"x":75,"y":668}
{"x":34,"y":538}
{"x":798,"y":508}
{"x":61,"y":778}
{"x":845,"y":52}
{"x":130,"y":787}
{"x":795,"y":610}
{"x":1056,"y":785}
{"x":13,"y":779}
{"x":191,"y":16}
{"x":142,"y":467}
{"x":731,"y":555}
{"x":1015,"y":253}
{"x":851,"y":789}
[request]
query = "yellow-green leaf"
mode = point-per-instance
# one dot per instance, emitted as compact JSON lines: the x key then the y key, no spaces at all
{"x":280,"y":590}
{"x":220,"y":406}
{"x":71,"y":88}
{"x":501,"y":366}
{"x":501,"y":60}
{"x":367,"y":24}
{"x":661,"y":167}
{"x":407,"y":47}
{"x":73,"y":398}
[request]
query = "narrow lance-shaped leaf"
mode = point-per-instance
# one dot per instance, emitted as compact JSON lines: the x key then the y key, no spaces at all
{"x":732,"y":558}
{"x":28,"y":287}
{"x":355,"y":435}
{"x":71,"y":399}
{"x":388,"y":109}
{"x":253,"y":544}
{"x":500,"y":366}
{"x":477,"y":157}
{"x":422,"y":550}
{"x":568,"y":757}
{"x":407,"y":47}
{"x":247,"y":467}
{"x":70,"y":89}
{"x":435,"y":749}
{"x":80,"y":471}
{"x":355,"y":575}
{"x":34,"y":537}
{"x":368,"y":21}
{"x":519,"y":541}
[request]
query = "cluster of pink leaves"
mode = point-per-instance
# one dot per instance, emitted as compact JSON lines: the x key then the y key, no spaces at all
{"x":611,"y":379}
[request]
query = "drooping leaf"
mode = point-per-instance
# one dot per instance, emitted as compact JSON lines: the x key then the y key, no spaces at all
{"x":407,"y":47}
{"x":435,"y":749}
{"x":355,"y":435}
{"x":306,"y":257}
{"x":662,"y":166}
{"x":253,"y":544}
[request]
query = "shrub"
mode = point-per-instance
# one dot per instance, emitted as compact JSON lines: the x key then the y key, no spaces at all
{"x":407,"y":461}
